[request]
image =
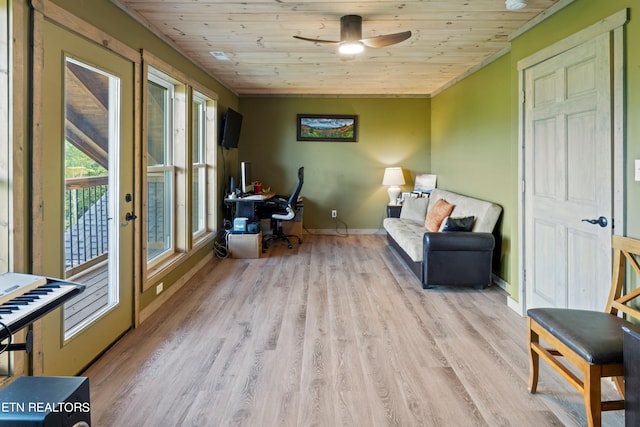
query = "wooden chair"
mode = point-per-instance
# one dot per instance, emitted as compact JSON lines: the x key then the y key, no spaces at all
{"x":589,"y":340}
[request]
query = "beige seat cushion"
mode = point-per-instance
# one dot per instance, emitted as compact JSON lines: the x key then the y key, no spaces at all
{"x":408,"y":234}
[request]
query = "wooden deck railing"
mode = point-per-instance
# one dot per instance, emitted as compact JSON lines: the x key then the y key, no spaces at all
{"x":86,"y":222}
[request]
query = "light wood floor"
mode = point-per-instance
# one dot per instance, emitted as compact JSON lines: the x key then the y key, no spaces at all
{"x":335,"y":332}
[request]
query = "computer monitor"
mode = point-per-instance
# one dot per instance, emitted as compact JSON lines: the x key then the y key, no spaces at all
{"x":245,"y":177}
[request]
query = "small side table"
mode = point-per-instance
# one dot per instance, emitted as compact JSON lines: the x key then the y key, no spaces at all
{"x":393,"y":211}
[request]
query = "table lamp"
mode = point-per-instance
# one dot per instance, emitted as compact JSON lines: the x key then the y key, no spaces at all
{"x":393,"y":177}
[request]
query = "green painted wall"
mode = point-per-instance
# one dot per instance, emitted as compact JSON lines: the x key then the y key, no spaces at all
{"x":475,"y":123}
{"x":338,"y":175}
{"x":471,"y":146}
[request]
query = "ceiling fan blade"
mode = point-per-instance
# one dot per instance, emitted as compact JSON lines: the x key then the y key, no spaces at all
{"x":315,"y":40}
{"x":386,"y":40}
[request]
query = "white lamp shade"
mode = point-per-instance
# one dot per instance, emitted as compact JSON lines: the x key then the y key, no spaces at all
{"x":393,"y":176}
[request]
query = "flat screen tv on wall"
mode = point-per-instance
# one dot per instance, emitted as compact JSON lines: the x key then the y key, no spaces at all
{"x":231,"y":125}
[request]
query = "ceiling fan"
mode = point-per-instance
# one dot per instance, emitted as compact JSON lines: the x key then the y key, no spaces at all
{"x":351,"y":40}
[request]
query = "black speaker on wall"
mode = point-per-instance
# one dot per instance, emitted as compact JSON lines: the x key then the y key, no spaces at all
{"x":46,"y":402}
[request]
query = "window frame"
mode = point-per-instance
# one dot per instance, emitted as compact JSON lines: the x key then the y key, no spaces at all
{"x":209,"y":153}
{"x":199,"y":142}
{"x":185,"y":242}
{"x":168,"y":168}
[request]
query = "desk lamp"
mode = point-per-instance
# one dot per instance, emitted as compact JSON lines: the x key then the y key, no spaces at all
{"x":393,"y":177}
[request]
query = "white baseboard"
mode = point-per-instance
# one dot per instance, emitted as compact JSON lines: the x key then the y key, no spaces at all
{"x":334,"y":232}
{"x":515,"y":306}
{"x":500,"y":281}
{"x":511,"y":303}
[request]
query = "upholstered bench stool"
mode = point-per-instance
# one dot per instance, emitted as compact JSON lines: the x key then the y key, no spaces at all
{"x":590,"y":340}
{"x":595,"y":336}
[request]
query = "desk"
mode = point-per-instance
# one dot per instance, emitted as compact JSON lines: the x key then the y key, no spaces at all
{"x":245,"y":207}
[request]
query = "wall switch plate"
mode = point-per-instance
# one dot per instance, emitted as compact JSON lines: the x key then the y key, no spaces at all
{"x":637,"y":170}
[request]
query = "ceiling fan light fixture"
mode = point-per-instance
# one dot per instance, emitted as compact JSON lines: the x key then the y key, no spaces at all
{"x":351,"y":48}
{"x":351,"y":41}
{"x":515,"y":4}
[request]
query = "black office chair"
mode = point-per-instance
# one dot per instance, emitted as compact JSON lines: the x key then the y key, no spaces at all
{"x":283,"y":208}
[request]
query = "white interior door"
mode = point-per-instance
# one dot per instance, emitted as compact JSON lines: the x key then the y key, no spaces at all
{"x":568,"y":178}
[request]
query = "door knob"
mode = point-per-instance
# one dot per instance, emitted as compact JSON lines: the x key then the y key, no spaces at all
{"x":602,"y":221}
{"x":130,"y":216}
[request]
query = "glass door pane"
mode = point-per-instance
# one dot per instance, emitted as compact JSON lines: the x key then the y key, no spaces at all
{"x":91,"y":134}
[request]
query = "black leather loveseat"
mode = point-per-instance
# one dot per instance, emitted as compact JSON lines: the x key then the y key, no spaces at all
{"x":441,"y":257}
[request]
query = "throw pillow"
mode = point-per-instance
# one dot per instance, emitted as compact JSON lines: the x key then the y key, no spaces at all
{"x":414,"y":209}
{"x":438,"y":212}
{"x":458,"y":224}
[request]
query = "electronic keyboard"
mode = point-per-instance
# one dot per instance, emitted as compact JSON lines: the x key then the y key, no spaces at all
{"x":24,"y":298}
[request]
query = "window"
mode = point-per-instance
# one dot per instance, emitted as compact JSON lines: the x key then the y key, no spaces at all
{"x":198,"y":166}
{"x":160,"y":168}
{"x":180,"y":190}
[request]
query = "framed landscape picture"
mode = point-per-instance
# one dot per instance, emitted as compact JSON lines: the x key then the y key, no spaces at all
{"x":327,"y":127}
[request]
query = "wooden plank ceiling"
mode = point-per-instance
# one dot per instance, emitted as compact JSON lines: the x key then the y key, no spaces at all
{"x":449,"y":37}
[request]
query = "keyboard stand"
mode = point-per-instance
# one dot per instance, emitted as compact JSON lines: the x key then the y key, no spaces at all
{"x":25,"y":346}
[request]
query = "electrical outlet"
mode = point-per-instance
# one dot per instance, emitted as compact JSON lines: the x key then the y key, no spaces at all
{"x":334,"y":213}
{"x":159,"y":287}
